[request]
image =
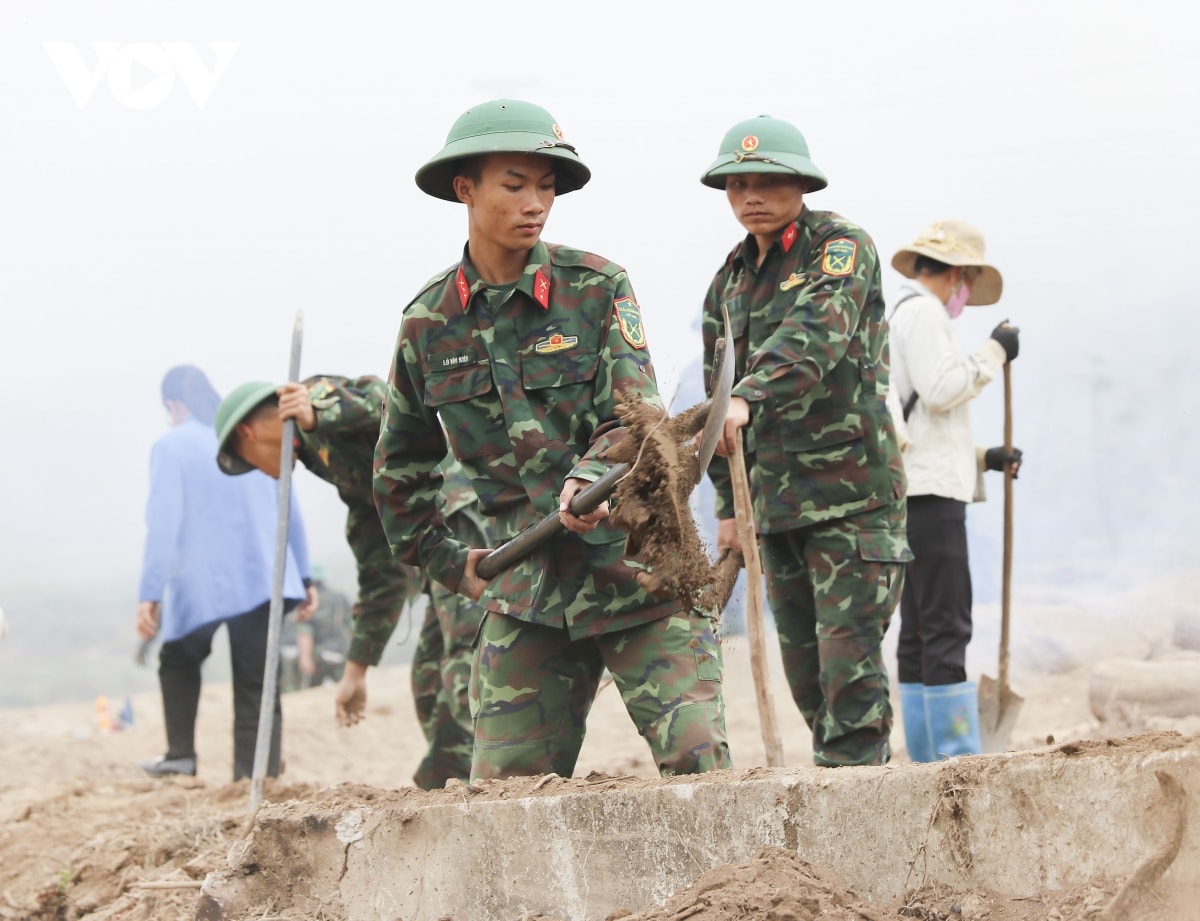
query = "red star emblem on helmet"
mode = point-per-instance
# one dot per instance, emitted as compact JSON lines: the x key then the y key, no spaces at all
{"x":558,"y":131}
{"x":749,"y":142}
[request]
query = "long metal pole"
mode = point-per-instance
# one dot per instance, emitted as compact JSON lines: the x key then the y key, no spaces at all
{"x":266,"y":712}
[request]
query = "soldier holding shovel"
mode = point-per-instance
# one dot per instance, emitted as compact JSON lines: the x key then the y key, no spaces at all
{"x":805,"y":304}
{"x":517,"y":355}
{"x":337,"y":424}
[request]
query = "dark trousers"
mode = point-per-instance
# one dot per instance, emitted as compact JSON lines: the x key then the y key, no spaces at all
{"x":179,"y":666}
{"x":935,"y":606}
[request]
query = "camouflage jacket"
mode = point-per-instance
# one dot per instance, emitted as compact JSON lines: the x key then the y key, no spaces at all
{"x":812,"y":361}
{"x":525,"y":391}
{"x":340,"y":450}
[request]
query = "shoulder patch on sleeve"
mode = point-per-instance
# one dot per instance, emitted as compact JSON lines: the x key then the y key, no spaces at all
{"x":629,"y":318}
{"x":839,"y":257}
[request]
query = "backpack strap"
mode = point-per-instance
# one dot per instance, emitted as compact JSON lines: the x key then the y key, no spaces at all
{"x":912,"y":400}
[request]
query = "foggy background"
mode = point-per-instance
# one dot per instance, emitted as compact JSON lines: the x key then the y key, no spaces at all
{"x":136,"y":238}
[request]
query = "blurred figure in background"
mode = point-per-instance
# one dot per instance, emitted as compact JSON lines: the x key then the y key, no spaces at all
{"x":313,"y":652}
{"x":209,"y":560}
{"x":932,"y":384}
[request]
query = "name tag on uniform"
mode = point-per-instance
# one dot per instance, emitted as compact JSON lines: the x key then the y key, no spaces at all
{"x":450,"y":361}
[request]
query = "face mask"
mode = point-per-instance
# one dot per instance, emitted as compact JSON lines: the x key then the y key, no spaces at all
{"x":958,"y":300}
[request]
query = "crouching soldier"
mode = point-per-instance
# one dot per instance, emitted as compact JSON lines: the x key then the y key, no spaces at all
{"x":337,"y":425}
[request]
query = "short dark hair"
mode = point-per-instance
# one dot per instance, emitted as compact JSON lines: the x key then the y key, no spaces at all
{"x":471,"y":167}
{"x":268,"y":406}
{"x":926,"y":265}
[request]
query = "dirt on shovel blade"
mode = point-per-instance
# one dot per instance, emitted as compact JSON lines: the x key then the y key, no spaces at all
{"x":651,"y":505}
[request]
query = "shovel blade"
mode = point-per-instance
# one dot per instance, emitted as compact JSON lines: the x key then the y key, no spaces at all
{"x":999,"y":706}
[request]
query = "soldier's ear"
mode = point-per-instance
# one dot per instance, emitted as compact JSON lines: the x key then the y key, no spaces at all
{"x":464,"y":188}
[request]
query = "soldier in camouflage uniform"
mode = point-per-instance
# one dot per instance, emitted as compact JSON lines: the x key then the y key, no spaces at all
{"x":314,"y":650}
{"x":337,"y":424}
{"x":517,"y":355}
{"x":807,"y":315}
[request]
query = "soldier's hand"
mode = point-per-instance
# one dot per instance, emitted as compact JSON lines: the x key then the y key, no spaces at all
{"x":579,"y":524}
{"x":472,"y":584}
{"x":728,"y":536}
{"x":736,"y":419}
{"x":147,"y":619}
{"x":295,"y":403}
{"x":350,"y":699}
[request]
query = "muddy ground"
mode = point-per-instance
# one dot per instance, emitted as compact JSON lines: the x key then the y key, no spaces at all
{"x":84,"y":835}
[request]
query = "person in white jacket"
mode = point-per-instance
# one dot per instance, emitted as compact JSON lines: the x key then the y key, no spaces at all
{"x":933,"y":383}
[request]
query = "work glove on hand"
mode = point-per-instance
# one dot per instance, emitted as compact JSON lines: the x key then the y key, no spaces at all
{"x":1006,"y":335}
{"x":998,"y":459}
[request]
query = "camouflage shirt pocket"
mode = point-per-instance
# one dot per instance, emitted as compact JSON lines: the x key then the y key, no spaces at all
{"x":828,"y":454}
{"x":456,"y":385}
{"x":559,"y":391}
{"x":539,"y":372}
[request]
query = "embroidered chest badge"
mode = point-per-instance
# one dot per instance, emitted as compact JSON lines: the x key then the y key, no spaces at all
{"x":792,"y":281}
{"x":629,"y":318}
{"x":556,"y":343}
{"x":839,"y":257}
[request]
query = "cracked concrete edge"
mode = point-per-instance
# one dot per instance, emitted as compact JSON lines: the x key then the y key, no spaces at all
{"x":1016,"y":823}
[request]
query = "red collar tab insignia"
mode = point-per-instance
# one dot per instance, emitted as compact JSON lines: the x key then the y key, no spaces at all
{"x":792,"y":281}
{"x":557,"y":131}
{"x":749,"y":142}
{"x":789,"y":237}
{"x":555,"y":343}
{"x":839,"y":257}
{"x":464,"y":289}
{"x":541,"y":289}
{"x":629,"y":318}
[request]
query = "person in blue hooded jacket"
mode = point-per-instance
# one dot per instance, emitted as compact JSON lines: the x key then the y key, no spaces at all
{"x":209,"y":560}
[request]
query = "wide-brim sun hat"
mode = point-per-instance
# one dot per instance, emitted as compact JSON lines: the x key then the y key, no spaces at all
{"x":763,"y":145}
{"x":954,"y":243}
{"x":503,"y":126}
{"x":241,"y":401}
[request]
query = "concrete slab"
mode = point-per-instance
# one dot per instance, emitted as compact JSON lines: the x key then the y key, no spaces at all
{"x":1017,"y":824}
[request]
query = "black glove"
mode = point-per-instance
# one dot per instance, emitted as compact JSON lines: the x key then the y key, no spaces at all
{"x":998,"y":458}
{"x":1007,"y":337}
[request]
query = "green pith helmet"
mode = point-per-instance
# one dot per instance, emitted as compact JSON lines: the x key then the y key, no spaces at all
{"x":763,"y":145}
{"x":233,"y":409}
{"x":503,"y":126}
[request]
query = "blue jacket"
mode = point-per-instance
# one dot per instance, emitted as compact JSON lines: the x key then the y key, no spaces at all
{"x":210,"y":538}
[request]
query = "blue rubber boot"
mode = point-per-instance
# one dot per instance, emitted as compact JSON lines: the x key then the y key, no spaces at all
{"x":917,"y":738}
{"x":953,"y":713}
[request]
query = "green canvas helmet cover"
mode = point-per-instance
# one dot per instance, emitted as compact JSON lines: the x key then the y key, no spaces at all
{"x":240,"y":402}
{"x":763,"y":145}
{"x":502,"y":126}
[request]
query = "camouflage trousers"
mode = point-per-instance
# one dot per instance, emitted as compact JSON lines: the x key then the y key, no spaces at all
{"x":441,"y":674}
{"x":532,"y":687}
{"x":833,"y":588}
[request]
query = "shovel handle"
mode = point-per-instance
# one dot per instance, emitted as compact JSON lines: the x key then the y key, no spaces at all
{"x":586,"y":500}
{"x":1006,"y":569}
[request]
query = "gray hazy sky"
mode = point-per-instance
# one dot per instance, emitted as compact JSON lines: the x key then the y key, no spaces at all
{"x":133,"y":239}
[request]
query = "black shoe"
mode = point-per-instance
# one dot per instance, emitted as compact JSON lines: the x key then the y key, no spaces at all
{"x":163,"y":766}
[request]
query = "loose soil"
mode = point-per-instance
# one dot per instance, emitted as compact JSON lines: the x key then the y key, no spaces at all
{"x":84,"y":835}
